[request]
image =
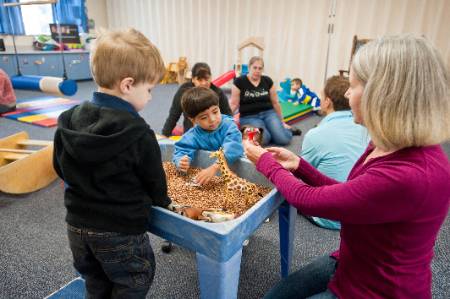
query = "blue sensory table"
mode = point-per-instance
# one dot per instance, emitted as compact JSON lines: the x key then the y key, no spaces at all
{"x":218,"y":246}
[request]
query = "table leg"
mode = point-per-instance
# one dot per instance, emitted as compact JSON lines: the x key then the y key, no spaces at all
{"x":219,"y":280}
{"x":286,"y":222}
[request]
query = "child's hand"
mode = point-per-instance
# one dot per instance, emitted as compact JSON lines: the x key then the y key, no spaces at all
{"x":184,"y":164}
{"x":204,"y":176}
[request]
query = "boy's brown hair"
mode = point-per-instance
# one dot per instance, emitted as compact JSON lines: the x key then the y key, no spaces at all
{"x":335,"y":89}
{"x":198,"y":99}
{"x":298,"y":81}
{"x":120,"y":54}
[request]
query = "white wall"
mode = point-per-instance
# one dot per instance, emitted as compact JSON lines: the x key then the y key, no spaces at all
{"x":295,"y":31}
{"x":370,"y":19}
{"x":211,"y":30}
{"x":96,"y":10}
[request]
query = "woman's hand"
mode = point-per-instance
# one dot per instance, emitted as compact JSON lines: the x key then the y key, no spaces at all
{"x":184,"y":164}
{"x":253,"y":150}
{"x":204,"y":176}
{"x":286,"y":126}
{"x":286,"y":158}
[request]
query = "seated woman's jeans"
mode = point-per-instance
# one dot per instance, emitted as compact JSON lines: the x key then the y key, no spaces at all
{"x":309,"y":282}
{"x":273,"y":129}
{"x":114,"y":265}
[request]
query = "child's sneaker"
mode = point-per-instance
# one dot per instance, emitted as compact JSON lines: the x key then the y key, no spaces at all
{"x":296,"y":131}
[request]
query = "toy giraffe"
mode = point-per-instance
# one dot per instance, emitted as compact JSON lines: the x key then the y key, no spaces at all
{"x":232,"y":181}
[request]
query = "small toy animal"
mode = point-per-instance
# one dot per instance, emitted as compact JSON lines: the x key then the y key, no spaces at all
{"x":233,"y":182}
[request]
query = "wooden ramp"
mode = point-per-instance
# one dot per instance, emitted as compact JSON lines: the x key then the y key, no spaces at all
{"x":25,"y":164}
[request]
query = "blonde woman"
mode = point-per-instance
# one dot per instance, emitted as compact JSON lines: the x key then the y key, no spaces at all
{"x":397,"y":194}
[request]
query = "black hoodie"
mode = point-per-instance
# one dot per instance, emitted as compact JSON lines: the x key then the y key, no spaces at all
{"x":111,"y":163}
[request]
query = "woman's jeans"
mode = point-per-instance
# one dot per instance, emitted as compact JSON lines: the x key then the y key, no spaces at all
{"x":309,"y":282}
{"x":114,"y":265}
{"x":273,"y":129}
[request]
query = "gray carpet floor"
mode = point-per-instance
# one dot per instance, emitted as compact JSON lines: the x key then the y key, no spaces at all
{"x":35,"y":259}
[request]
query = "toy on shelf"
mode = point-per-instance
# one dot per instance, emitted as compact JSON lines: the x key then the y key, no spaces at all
{"x":44,"y":42}
{"x":176,"y":72}
{"x":25,"y":164}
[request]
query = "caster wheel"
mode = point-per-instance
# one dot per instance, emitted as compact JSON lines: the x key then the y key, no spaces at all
{"x":167,"y":247}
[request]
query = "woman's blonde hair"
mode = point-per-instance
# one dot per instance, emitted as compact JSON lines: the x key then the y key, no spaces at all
{"x":406,"y":99}
{"x":120,"y":54}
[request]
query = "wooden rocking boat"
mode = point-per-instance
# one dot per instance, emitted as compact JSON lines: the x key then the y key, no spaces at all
{"x":25,"y":164}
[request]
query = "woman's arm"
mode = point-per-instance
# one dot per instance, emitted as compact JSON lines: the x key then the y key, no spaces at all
{"x":381,"y":194}
{"x":275,"y":103}
{"x":174,"y":113}
{"x":290,"y":161}
{"x":235,"y":99}
{"x":310,"y":175}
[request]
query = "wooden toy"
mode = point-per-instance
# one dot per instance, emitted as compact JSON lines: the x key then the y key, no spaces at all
{"x":256,"y":42}
{"x":176,"y":72}
{"x":25,"y":164}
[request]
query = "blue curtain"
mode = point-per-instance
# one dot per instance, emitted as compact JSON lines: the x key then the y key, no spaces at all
{"x":71,"y":12}
{"x":11,"y":19}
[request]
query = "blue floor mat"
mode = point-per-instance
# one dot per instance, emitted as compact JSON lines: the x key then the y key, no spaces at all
{"x":73,"y":290}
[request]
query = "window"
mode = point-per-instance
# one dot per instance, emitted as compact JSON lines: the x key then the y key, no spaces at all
{"x":36,"y":18}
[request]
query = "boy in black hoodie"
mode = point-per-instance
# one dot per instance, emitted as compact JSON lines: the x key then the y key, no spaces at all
{"x":111,"y":164}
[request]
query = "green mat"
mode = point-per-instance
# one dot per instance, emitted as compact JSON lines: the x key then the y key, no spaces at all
{"x":291,"y":111}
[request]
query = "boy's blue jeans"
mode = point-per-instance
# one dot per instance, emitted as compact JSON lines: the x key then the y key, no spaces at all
{"x":309,"y":282}
{"x":268,"y":120}
{"x":114,"y":265}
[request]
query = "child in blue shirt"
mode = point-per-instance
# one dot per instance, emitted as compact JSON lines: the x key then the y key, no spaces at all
{"x":300,"y":94}
{"x":212,"y":130}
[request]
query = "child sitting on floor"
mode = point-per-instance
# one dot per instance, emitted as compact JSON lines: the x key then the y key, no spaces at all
{"x":212,"y":130}
{"x":301,"y":94}
{"x":296,"y":91}
{"x":7,"y":96}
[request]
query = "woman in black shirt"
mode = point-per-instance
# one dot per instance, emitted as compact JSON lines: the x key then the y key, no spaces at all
{"x":256,"y":98}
